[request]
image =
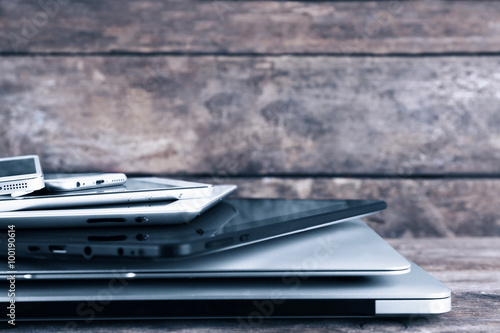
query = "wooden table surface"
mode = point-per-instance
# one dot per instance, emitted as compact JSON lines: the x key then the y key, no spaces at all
{"x":469,"y":266}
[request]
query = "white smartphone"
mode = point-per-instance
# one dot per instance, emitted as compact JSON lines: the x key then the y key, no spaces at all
{"x":20,"y":175}
{"x":84,"y":181}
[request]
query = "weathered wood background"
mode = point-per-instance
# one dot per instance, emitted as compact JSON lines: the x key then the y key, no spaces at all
{"x":395,"y":100}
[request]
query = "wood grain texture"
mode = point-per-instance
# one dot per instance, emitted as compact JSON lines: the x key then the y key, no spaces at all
{"x":439,"y":256}
{"x":253,"y":115}
{"x":416,"y":207}
{"x":250,"y":26}
{"x":468,"y":266}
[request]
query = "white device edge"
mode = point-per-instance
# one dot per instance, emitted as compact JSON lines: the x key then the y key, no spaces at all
{"x":84,"y":182}
{"x":190,"y":190}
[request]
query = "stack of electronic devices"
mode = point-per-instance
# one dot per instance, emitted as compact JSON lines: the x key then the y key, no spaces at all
{"x":104,"y":246}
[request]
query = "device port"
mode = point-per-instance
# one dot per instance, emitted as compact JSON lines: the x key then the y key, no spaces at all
{"x":57,"y":249}
{"x":33,"y":249}
{"x":116,"y":238}
{"x":99,"y":182}
{"x":142,"y":237}
{"x":87,"y":251}
{"x":104,"y":220}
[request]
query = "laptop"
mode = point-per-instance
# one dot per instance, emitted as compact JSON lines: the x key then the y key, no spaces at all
{"x":248,"y":300}
{"x":229,"y":224}
{"x":339,"y":270}
{"x":350,"y":248}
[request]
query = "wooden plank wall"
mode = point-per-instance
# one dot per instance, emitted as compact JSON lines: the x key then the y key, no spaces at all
{"x":395,"y":100}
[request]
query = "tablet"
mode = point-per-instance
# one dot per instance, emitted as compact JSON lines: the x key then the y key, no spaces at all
{"x":230,"y":224}
{"x":134,"y":190}
{"x":134,"y":214}
{"x":350,"y":248}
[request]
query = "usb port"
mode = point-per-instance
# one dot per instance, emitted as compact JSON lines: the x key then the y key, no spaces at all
{"x":33,"y":249}
{"x":99,"y":182}
{"x":57,"y":249}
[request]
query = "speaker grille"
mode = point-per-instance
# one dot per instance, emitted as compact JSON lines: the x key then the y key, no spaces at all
{"x":14,"y":186}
